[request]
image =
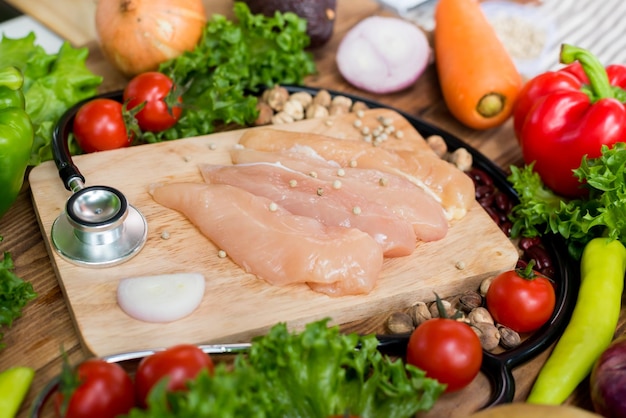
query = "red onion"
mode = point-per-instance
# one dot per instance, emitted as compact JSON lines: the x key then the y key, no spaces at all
{"x":608,"y":380}
{"x":383,"y":54}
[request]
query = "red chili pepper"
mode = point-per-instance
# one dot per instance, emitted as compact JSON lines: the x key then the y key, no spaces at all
{"x":560,"y":116}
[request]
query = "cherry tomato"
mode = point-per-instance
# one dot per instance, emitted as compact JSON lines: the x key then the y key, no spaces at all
{"x":159,"y":112}
{"x":104,"y":390}
{"x":521,"y":299}
{"x":447,"y":350}
{"x":99,"y":125}
{"x":179,"y":363}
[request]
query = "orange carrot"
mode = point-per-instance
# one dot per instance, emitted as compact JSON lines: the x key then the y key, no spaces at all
{"x":478,"y":77}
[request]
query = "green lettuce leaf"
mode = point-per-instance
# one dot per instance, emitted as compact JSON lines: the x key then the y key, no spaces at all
{"x":53,"y":83}
{"x":15,"y":293}
{"x":601,"y":213}
{"x":316,"y":373}
{"x":233,"y":60}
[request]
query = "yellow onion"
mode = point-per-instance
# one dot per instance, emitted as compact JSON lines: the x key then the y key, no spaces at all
{"x":137,"y":35}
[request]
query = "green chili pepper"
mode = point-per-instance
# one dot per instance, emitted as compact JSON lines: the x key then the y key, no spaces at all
{"x":592,"y":325}
{"x":14,"y":385}
{"x":16,"y":136}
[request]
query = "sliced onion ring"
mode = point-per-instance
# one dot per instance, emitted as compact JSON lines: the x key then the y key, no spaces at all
{"x":383,"y":54}
{"x":161,"y":298}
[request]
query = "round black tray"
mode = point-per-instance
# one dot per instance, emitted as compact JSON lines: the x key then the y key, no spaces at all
{"x":497,"y":367}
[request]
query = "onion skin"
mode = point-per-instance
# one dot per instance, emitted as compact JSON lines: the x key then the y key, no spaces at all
{"x":137,"y":35}
{"x":608,"y":381}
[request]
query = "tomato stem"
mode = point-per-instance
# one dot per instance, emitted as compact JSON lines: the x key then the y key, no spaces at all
{"x":442,"y":309}
{"x":527,"y":272}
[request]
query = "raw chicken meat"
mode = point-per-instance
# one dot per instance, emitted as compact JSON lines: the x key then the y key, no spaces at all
{"x":452,"y":188}
{"x":402,"y":197}
{"x":275,"y":245}
{"x":329,"y":202}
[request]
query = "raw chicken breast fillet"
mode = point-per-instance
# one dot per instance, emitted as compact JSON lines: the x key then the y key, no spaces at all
{"x":402,"y":197}
{"x":304,"y":195}
{"x":275,"y":245}
{"x":452,"y":188}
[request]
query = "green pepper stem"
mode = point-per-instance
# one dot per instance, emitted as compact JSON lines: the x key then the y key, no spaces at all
{"x":595,"y":71}
{"x":11,"y":77}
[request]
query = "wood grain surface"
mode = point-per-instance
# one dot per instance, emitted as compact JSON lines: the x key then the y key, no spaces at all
{"x":46,"y":328}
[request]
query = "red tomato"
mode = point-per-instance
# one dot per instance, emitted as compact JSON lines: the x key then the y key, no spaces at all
{"x":447,"y":350}
{"x":99,"y":125}
{"x":105,"y":390}
{"x":179,"y":363}
{"x":521,"y":299}
{"x":159,"y":112}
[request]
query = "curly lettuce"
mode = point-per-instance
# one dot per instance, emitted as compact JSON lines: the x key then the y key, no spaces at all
{"x":317,"y":373}
{"x":601,"y":213}
{"x":15,"y":294}
{"x":52,"y":84}
{"x":233,"y":60}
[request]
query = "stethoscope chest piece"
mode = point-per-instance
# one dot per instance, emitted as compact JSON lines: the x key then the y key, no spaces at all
{"x":98,"y":228}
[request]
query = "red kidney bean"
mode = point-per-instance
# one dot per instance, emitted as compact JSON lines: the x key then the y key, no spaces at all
{"x":498,"y":205}
{"x":541,"y":257}
{"x":483,"y":191}
{"x":525,"y":242}
{"x":521,"y":264}
{"x":506,"y":227}
{"x":493,"y":213}
{"x":486,"y":201}
{"x":549,"y":272}
{"x":502,"y":202}
{"x":480,"y":177}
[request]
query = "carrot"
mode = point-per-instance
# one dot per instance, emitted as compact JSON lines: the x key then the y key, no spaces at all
{"x":478,"y":78}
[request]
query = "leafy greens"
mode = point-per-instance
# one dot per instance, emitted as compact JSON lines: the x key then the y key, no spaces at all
{"x":233,"y":60}
{"x":317,"y":373}
{"x":15,"y":293}
{"x":52,"y":84}
{"x":602,"y":212}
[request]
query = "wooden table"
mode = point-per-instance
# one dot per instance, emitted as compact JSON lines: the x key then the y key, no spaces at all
{"x":46,"y":328}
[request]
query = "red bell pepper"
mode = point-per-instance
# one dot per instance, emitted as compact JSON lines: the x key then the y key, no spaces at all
{"x":560,"y":116}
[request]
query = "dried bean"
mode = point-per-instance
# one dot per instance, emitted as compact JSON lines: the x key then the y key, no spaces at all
{"x":541,"y":257}
{"x":488,"y":334}
{"x":508,"y":338}
{"x":521,"y":264}
{"x":399,"y":323}
{"x":525,"y":243}
{"x":480,"y":314}
{"x":506,"y":227}
{"x":503,"y":203}
{"x":486,"y":201}
{"x":470,"y":300}
{"x":548,"y":271}
{"x":483,"y":191}
{"x":480,"y":177}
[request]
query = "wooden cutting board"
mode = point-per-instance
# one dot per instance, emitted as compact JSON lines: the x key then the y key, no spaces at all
{"x":236,"y":305}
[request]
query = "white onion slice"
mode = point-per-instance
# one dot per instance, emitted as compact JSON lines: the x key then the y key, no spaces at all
{"x":383,"y":54}
{"x":161,"y":298}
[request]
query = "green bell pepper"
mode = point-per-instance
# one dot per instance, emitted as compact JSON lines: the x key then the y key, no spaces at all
{"x":16,"y":136}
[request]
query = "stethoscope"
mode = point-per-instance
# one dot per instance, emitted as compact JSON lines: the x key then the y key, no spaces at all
{"x":98,"y":227}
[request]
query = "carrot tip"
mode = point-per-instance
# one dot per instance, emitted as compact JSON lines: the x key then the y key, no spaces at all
{"x":491,"y":104}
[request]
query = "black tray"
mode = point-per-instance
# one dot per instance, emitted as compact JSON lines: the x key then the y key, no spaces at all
{"x":497,"y":367}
